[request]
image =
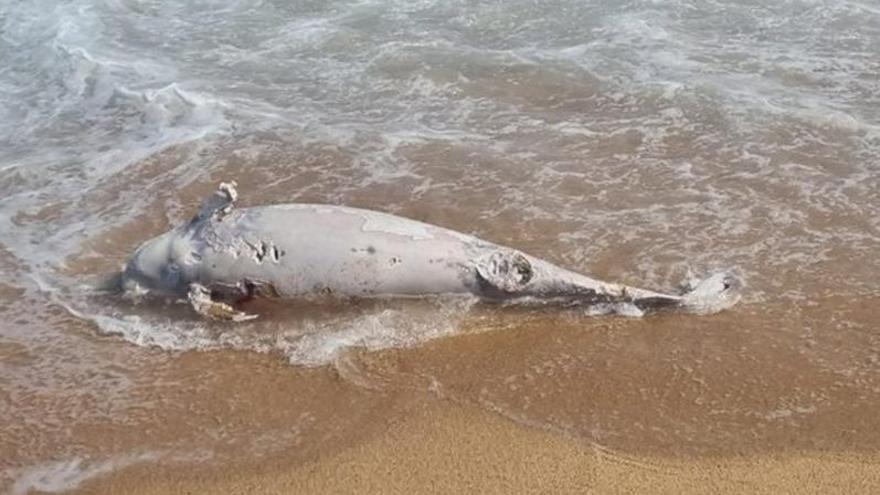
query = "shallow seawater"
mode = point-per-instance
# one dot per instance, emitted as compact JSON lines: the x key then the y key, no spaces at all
{"x":640,"y":142}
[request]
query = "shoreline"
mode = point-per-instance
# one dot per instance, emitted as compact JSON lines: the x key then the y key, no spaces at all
{"x":443,"y":447}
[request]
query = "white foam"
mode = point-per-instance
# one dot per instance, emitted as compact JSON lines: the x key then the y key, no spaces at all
{"x":305,"y":342}
{"x":61,"y":476}
{"x":380,"y":330}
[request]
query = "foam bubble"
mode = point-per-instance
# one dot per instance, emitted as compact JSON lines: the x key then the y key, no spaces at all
{"x":302,"y":339}
{"x":61,"y":476}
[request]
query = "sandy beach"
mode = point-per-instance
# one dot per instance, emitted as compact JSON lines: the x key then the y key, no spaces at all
{"x":451,"y":416}
{"x":446,"y":448}
{"x":643,"y":143}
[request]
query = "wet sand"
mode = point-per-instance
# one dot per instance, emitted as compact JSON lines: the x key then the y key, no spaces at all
{"x":440,"y":447}
{"x":778,"y":394}
{"x":518,"y":402}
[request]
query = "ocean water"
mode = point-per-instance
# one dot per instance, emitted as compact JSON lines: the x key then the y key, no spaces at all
{"x":641,"y":142}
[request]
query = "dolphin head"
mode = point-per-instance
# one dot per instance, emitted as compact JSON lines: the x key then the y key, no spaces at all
{"x":154,"y":267}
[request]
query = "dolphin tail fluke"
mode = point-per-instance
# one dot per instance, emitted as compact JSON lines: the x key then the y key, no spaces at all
{"x":712,"y":294}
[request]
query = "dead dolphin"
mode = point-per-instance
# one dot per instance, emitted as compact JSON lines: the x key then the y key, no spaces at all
{"x":226,"y":254}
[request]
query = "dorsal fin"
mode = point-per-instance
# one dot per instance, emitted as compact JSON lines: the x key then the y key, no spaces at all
{"x":218,"y":204}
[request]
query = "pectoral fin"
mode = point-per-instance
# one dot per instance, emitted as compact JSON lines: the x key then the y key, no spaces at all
{"x":200,"y":299}
{"x":218,"y":204}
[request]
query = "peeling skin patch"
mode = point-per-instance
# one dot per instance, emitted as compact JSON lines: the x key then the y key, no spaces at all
{"x":372,"y":221}
{"x":261,"y":289}
{"x":375,"y":221}
{"x":264,"y":249}
{"x":507,"y":271}
{"x":277,"y":254}
{"x":388,"y":224}
{"x":316,"y":208}
{"x":260,"y":251}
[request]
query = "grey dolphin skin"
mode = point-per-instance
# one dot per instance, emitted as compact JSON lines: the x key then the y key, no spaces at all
{"x":227,"y":254}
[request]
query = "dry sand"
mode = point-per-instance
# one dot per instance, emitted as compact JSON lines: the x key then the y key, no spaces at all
{"x":449,"y":448}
